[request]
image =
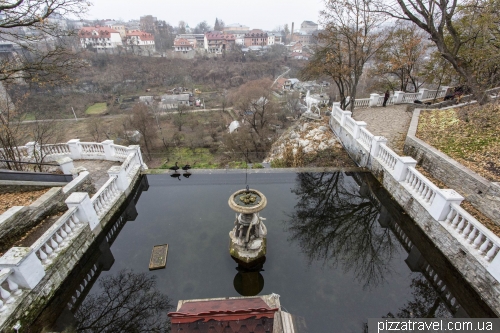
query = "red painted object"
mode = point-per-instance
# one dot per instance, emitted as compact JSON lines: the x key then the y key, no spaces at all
{"x":224,"y":316}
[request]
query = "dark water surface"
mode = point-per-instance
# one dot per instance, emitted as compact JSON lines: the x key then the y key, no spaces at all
{"x":339,"y":251}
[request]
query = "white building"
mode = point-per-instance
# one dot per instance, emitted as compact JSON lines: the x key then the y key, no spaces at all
{"x":100,"y":38}
{"x":183,"y":45}
{"x":144,"y":40}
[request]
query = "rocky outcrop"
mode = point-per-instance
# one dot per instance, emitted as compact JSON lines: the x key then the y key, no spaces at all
{"x":312,"y":136}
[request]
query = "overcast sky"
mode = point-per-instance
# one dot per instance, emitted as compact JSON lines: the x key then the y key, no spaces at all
{"x":264,"y":14}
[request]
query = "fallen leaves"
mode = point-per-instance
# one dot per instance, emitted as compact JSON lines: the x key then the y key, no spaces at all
{"x":8,"y":200}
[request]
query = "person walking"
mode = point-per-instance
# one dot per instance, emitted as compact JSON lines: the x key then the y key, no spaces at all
{"x":386,"y":97}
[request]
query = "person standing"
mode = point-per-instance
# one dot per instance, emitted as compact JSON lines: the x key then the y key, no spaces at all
{"x":386,"y":97}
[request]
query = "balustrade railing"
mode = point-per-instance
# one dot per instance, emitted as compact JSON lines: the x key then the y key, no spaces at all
{"x":104,"y":199}
{"x":472,"y":232}
{"x":420,"y":186}
{"x":365,"y":137}
{"x":362,"y":103}
{"x":9,"y":289}
{"x":120,"y":151}
{"x":57,"y":236}
{"x":387,"y":157}
{"x":56,"y":149}
{"x":390,"y":101}
{"x":410,"y":97}
{"x":92,"y":148}
{"x":350,"y":124}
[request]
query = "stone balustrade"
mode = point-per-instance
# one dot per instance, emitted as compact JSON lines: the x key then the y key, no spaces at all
{"x":443,"y":205}
{"x":24,"y":267}
{"x":399,"y":97}
{"x":57,"y":237}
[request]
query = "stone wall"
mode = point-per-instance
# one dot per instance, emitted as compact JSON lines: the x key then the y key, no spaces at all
{"x":464,"y":262}
{"x":17,"y":220}
{"x":481,"y":193}
{"x":12,"y":186}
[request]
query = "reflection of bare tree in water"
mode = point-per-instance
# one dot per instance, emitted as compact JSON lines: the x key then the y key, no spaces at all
{"x":426,"y":302}
{"x":333,"y":222}
{"x":129,"y":302}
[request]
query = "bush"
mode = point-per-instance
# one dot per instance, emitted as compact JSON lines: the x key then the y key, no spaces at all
{"x":257,"y":166}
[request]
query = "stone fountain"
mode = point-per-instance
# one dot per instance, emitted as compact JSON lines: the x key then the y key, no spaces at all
{"x":248,"y":238}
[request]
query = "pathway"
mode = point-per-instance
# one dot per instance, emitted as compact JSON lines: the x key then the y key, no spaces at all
{"x":98,"y":170}
{"x":392,"y":122}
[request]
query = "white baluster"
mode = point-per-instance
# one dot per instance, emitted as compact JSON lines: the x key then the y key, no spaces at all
{"x":478,"y":240}
{"x":485,"y":245}
{"x":455,"y":220}
{"x":472,"y":235}
{"x":63,"y":234}
{"x":6,"y":296}
{"x":491,"y":252}
{"x":461,"y":224}
{"x":450,"y":215}
{"x":48,"y":249}
{"x":71,"y":224}
{"x":466,"y":230}
{"x":43,"y":256}
{"x":13,"y":287}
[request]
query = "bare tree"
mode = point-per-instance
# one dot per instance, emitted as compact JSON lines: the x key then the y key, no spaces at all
{"x":40,"y":43}
{"x":129,"y":302}
{"x":351,"y":37}
{"x":142,"y":122}
{"x":463,"y":32}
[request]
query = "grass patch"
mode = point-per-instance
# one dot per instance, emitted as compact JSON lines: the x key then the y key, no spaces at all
{"x":468,"y":135}
{"x":97,"y":108}
{"x":28,"y":116}
{"x":257,"y":166}
{"x":198,"y":158}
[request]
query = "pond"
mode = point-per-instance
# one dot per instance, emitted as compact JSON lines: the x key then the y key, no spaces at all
{"x":339,"y":251}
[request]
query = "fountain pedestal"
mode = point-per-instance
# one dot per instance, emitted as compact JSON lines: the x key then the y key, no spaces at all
{"x":247,"y":243}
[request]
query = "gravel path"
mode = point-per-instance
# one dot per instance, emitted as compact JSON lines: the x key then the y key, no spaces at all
{"x":391,"y":122}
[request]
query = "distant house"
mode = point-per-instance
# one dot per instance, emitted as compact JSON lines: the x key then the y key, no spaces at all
{"x":197,"y":40}
{"x":256,"y":37}
{"x":274,"y":38}
{"x":296,"y":48}
{"x":182,"y":45}
{"x":174,"y":101}
{"x":235,"y":28}
{"x":120,"y":28}
{"x":308,"y":27}
{"x":217,"y":42}
{"x":99,"y":38}
{"x":142,"y":40}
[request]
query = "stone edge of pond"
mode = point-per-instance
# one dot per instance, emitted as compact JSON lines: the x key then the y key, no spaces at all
{"x":263,"y":170}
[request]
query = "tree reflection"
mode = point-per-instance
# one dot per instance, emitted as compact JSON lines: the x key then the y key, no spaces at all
{"x":333,"y":222}
{"x":426,"y":302}
{"x":129,"y":302}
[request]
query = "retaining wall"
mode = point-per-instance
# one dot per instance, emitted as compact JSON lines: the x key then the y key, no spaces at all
{"x":17,"y":220}
{"x":481,"y":193}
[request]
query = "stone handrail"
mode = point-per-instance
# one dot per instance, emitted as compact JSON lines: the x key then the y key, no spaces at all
{"x":443,"y":205}
{"x":57,"y":236}
{"x":26,"y":267}
{"x":362,"y":103}
{"x":105,"y":197}
{"x":421,"y":187}
{"x":380,"y":100}
{"x":387,"y":157}
{"x":365,"y":138}
{"x":480,"y":238}
{"x":410,"y":97}
{"x":350,"y":124}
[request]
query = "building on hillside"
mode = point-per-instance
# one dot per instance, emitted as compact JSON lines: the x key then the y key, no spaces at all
{"x":99,"y":38}
{"x":303,"y":38}
{"x":235,"y":28}
{"x":197,"y":40}
{"x":120,"y":28}
{"x":139,"y":39}
{"x":148,"y":23}
{"x":274,"y":38}
{"x":217,"y":42}
{"x":183,"y":45}
{"x":308,"y":27}
{"x":255,"y":37}
{"x":174,"y":101}
{"x":296,"y":48}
